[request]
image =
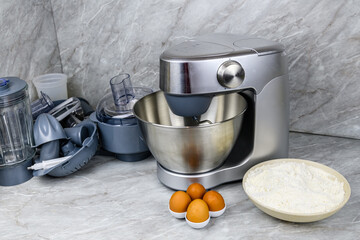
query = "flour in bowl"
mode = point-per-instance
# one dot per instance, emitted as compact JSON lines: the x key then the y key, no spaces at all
{"x":294,"y":187}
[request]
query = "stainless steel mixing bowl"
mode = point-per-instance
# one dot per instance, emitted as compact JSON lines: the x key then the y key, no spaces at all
{"x":185,"y":144}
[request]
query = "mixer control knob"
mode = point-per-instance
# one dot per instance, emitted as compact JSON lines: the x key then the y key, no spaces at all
{"x":230,"y":74}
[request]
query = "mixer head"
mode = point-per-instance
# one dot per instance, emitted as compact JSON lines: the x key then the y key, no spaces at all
{"x":193,"y":72}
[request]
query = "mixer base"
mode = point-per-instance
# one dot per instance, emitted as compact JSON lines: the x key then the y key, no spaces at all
{"x":226,"y":173}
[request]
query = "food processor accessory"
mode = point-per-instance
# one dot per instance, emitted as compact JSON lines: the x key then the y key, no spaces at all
{"x":118,"y":127}
{"x":42,"y":105}
{"x":65,"y":108}
{"x":69,"y":148}
{"x":124,"y":141}
{"x":77,"y":134}
{"x":122,"y":92}
{"x":47,"y":129}
{"x":16,"y":138}
{"x":49,"y":164}
{"x":77,"y":157}
{"x":48,"y":132}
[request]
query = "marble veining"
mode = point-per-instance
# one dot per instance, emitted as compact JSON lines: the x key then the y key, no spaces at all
{"x":28,"y":40}
{"x":111,"y":199}
{"x":98,"y":39}
{"x":91,"y":41}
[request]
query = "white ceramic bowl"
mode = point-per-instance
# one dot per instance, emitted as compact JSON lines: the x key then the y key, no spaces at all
{"x":291,"y":217}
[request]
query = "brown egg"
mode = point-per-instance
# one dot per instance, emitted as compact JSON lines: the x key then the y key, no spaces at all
{"x":197,"y":211}
{"x":196,"y":191}
{"x":214,"y":200}
{"x":179,"y":202}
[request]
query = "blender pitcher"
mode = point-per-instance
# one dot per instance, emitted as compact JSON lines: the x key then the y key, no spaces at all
{"x":16,"y":137}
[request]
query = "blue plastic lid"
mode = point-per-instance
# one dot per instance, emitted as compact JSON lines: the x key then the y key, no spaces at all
{"x":12,"y":91}
{"x":3,"y":83}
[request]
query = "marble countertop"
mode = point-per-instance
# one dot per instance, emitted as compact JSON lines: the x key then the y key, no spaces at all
{"x":111,"y":199}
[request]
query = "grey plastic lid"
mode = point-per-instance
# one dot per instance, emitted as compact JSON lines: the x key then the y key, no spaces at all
{"x":12,"y":91}
{"x":47,"y":129}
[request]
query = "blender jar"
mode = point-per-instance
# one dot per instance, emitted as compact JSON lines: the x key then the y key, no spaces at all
{"x":16,"y":137}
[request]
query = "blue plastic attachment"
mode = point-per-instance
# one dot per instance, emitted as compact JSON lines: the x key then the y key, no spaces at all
{"x":77,"y":157}
{"x":50,"y":150}
{"x":77,"y":134}
{"x":3,"y":83}
{"x":47,"y":129}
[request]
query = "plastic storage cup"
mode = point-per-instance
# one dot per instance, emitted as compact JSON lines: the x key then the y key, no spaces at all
{"x":53,"y":84}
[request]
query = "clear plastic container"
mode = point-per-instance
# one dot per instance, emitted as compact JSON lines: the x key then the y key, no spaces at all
{"x":53,"y":84}
{"x":108,"y":112}
{"x":122,"y":92}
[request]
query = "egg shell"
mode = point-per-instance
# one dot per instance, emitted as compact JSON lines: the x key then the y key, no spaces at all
{"x":196,"y":191}
{"x":197,"y":211}
{"x":176,"y":214}
{"x":198,"y":225}
{"x":179,"y":202}
{"x":214,"y":200}
{"x":217,"y":213}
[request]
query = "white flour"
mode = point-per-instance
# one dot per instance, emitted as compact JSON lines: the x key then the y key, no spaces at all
{"x":295,"y":188}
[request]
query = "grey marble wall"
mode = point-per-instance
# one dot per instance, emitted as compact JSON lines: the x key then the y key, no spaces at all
{"x":98,"y":38}
{"x":28,"y":45}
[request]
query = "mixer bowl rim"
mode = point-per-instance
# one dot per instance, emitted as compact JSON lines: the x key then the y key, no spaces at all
{"x":186,"y":127}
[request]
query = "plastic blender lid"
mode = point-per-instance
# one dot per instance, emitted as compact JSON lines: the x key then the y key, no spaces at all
{"x":106,"y":107}
{"x":12,"y":90}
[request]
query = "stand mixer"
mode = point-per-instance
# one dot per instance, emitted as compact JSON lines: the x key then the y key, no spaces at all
{"x":217,"y":74}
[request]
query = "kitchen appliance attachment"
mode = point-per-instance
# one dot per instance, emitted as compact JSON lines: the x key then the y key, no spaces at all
{"x":196,"y":74}
{"x":16,"y":138}
{"x":53,"y":84}
{"x":118,"y":127}
{"x":191,"y":145}
{"x":42,"y":105}
{"x":122,"y":92}
{"x":69,"y":112}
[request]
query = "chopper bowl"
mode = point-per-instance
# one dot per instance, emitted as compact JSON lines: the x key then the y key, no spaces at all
{"x":118,"y":130}
{"x":184,"y":145}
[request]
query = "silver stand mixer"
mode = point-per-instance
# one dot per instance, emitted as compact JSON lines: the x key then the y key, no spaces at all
{"x":204,"y":70}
